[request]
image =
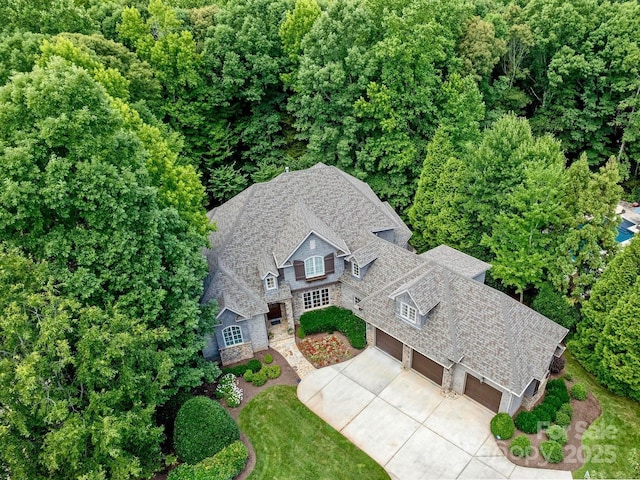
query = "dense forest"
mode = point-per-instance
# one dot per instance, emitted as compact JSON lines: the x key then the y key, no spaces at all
{"x":507,"y":129}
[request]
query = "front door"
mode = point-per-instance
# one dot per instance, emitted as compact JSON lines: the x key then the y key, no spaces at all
{"x":275,"y":314}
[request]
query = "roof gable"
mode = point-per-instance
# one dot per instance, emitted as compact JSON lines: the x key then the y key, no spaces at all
{"x":300,"y":224}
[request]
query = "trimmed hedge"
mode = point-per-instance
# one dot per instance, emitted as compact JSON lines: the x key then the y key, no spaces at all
{"x":259,"y":378}
{"x":527,"y":422}
{"x":557,"y":433}
{"x":268,"y":359}
{"x":567,"y":409}
{"x":272,"y":371}
{"x":520,"y":446}
{"x":502,"y":426}
{"x":224,"y":465}
{"x":551,"y":451}
{"x":202,"y":429}
{"x":563,"y":419}
{"x":254,"y":365}
{"x":333,"y":318}
{"x":579,"y":391}
{"x":238,"y":370}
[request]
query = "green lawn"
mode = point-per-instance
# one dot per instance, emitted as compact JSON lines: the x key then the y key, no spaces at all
{"x":292,"y":442}
{"x":612,"y":442}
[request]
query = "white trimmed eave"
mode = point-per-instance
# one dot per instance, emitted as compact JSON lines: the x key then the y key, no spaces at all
{"x":244,"y":317}
{"x":337,"y":247}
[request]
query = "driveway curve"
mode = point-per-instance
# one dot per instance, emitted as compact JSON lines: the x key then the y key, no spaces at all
{"x":405,"y":422}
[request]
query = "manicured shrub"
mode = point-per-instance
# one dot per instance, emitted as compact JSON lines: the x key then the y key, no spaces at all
{"x":567,"y":409}
{"x":502,"y":426}
{"x":334,"y":318}
{"x":202,"y":429}
{"x":248,"y":375}
{"x":224,"y":465}
{"x":259,"y":378}
{"x":568,"y":377}
{"x":301,"y":334}
{"x":527,"y":422}
{"x":557,"y":388}
{"x":551,"y":451}
{"x":268,"y":359}
{"x":557,"y":433}
{"x":272,"y":371}
{"x":254,"y":365}
{"x":520,"y":446}
{"x":557,"y":364}
{"x":563,"y":419}
{"x":544,"y":413}
{"x":237,"y":370}
{"x":553,"y":400}
{"x":579,"y":391}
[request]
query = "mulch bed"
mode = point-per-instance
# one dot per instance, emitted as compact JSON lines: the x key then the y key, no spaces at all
{"x":324,"y":349}
{"x":584,"y":414}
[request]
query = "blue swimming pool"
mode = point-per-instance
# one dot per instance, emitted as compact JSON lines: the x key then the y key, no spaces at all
{"x":623,"y":233}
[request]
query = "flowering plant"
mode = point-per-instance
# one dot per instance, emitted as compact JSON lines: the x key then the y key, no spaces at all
{"x":324,"y":351}
{"x":229,"y":389}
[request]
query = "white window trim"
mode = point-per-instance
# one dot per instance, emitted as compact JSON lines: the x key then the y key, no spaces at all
{"x":408,"y":313}
{"x":313,"y":269}
{"x":311,"y":302}
{"x":355,"y":269}
{"x":274,"y":285}
{"x":235,"y":333}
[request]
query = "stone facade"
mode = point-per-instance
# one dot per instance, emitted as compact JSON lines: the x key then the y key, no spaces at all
{"x":528,"y":402}
{"x":335,"y":298}
{"x":236,"y":353}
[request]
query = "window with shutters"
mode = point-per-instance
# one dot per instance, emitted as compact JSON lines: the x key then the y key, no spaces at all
{"x":314,"y":267}
{"x":316,"y":298}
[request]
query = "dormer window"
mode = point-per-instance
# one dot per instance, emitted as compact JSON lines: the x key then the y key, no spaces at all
{"x":408,"y":313}
{"x":271,"y":283}
{"x":314,"y":267}
{"x":355,"y":269}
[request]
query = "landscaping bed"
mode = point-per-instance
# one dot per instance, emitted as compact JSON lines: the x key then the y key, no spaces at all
{"x":584,"y":414}
{"x":324,"y":349}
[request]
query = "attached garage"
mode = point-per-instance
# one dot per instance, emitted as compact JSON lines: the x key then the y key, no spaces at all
{"x":427,"y":367}
{"x":482,"y":393}
{"x":388,"y":344}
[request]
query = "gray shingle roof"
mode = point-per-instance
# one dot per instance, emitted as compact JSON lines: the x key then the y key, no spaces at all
{"x":259,"y":222}
{"x":485,"y":330}
{"x":365,"y":255}
{"x":457,"y":261}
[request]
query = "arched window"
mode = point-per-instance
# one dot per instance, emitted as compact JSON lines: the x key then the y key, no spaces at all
{"x":232,"y":335}
{"x":314,"y":267}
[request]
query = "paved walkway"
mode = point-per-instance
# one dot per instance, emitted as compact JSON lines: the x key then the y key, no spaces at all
{"x":285,"y":345}
{"x":406,"y":423}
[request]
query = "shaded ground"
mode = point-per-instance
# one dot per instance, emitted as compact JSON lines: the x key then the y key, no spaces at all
{"x":584,"y":414}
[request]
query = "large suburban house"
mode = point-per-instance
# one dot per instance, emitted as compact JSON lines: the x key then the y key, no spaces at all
{"x":319,"y":237}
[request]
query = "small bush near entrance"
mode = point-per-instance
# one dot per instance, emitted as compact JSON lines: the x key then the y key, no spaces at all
{"x":502,"y":426}
{"x":237,"y":370}
{"x":259,"y":379}
{"x":551,"y":451}
{"x":202,"y":429}
{"x":527,"y":422}
{"x":224,"y":465}
{"x":330,"y":319}
{"x":579,"y":391}
{"x":268,"y":359}
{"x":272,"y":371}
{"x":254,"y":365}
{"x":557,"y":433}
{"x":520,"y":446}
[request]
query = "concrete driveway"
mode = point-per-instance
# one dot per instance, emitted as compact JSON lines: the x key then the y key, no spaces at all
{"x":405,"y":423}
